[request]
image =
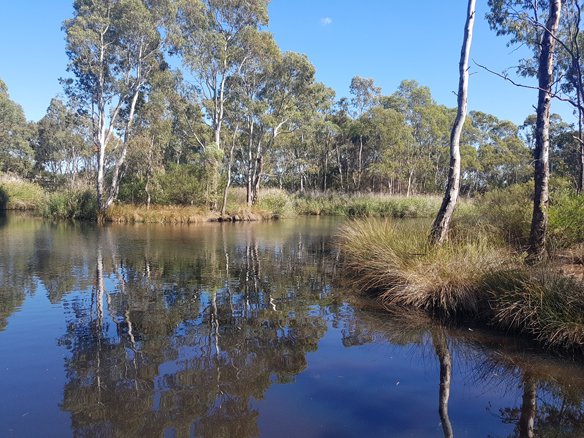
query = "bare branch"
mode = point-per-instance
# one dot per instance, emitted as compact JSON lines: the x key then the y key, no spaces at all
{"x":507,"y":78}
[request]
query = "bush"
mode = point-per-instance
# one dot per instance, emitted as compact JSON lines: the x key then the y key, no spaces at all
{"x":187,"y":184}
{"x":277,"y":202}
{"x":508,"y":212}
{"x":20,"y":195}
{"x":566,"y":219}
{"x":78,"y":204}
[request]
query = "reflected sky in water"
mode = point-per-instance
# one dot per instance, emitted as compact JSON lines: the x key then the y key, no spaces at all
{"x":243,"y":330}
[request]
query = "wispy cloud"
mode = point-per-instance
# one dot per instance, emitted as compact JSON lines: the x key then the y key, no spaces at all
{"x":326,"y":21}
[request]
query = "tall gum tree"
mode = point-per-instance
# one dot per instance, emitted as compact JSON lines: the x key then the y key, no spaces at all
{"x":113,"y":47}
{"x":523,"y":21}
{"x":209,"y":38}
{"x":441,"y":224}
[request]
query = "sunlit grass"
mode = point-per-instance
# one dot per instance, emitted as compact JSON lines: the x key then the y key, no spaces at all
{"x":394,"y":259}
{"x":472,"y":275}
{"x":20,"y":195}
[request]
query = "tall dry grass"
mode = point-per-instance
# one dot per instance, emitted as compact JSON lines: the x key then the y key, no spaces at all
{"x":394,"y":259}
{"x":472,"y":275}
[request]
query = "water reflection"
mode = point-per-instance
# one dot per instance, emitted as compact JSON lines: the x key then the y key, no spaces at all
{"x":184,"y":331}
{"x":188,"y":347}
{"x":495,"y":363}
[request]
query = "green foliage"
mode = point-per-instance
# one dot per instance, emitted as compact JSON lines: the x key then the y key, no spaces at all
{"x":20,"y":195}
{"x":187,"y":184}
{"x":566,"y":218}
{"x":133,"y":191}
{"x":78,"y":204}
{"x":508,"y":212}
{"x":278,"y":202}
{"x":16,"y":155}
{"x":367,"y":205}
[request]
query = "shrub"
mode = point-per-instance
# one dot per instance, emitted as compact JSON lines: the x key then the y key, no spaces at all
{"x":566,"y":219}
{"x":78,"y":204}
{"x":277,"y":202}
{"x":188,"y":184}
{"x":20,"y":195}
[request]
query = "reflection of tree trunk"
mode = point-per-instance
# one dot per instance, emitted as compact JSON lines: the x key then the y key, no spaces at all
{"x":443,"y":353}
{"x":529,"y":408}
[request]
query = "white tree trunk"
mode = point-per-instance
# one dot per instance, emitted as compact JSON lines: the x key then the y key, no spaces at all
{"x":442,"y":222}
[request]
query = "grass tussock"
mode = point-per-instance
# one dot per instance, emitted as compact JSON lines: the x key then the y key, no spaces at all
{"x":471,"y":275}
{"x":395,"y":260}
{"x":541,"y":302}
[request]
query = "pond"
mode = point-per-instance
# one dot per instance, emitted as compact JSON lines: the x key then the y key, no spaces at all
{"x":244,"y":330}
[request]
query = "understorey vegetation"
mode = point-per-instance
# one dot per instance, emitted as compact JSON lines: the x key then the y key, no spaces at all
{"x":482,"y":271}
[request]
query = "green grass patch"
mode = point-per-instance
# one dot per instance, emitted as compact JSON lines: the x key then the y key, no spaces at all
{"x":20,"y":195}
{"x":371,"y":205}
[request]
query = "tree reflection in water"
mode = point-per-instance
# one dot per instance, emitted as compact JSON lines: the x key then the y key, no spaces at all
{"x":495,"y":362}
{"x":181,"y":331}
{"x":189,"y":347}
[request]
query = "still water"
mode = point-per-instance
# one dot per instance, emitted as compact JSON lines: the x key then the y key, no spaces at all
{"x":243,"y":330}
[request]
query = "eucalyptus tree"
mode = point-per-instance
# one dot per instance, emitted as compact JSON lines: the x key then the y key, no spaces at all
{"x":113,"y":46}
{"x":429,"y":123}
{"x":276,"y":93}
{"x":365,"y":95}
{"x":63,"y":146}
{"x":153,"y":131}
{"x":523,"y":21}
{"x":442,"y":222}
{"x":210,"y":40}
{"x":16,"y":154}
{"x":390,"y":136}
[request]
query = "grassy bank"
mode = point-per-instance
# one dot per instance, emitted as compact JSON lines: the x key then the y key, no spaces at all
{"x":370,"y":205}
{"x":20,"y":195}
{"x":476,"y":274}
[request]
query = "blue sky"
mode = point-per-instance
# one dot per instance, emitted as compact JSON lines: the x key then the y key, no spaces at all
{"x":387,"y":40}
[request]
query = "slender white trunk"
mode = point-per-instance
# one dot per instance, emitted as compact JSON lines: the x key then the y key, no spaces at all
{"x":442,"y":222}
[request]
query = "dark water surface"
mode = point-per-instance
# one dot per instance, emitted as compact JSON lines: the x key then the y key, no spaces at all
{"x":242,"y":330}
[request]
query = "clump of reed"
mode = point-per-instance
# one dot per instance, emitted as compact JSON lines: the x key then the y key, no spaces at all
{"x":471,"y":275}
{"x":276,"y":203}
{"x":394,"y":259}
{"x":124,"y":213}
